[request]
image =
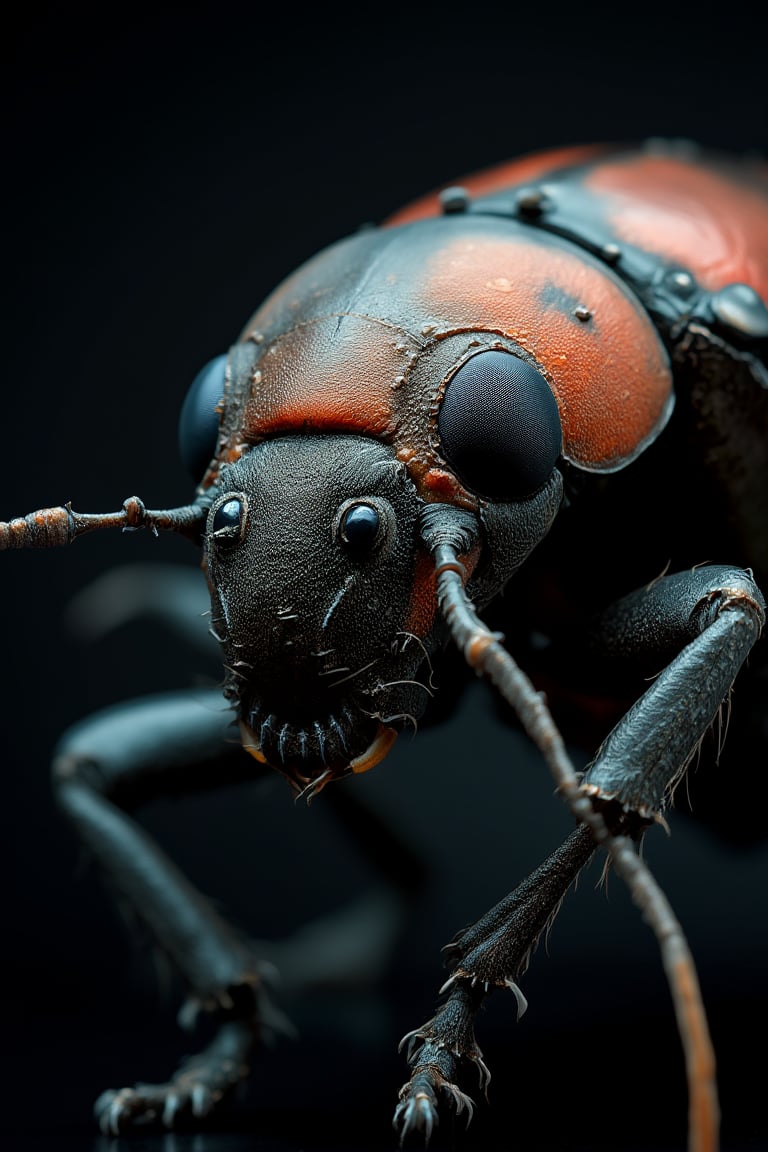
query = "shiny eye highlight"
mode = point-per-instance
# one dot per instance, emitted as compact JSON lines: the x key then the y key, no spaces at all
{"x":499,"y":426}
{"x":360,"y":528}
{"x":228,"y":522}
{"x":366,"y":528}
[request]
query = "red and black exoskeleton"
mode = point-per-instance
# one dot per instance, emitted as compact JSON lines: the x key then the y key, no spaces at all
{"x":550,"y":380}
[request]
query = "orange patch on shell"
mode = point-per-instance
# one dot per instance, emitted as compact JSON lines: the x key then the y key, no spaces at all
{"x":610,"y":375}
{"x":336,"y":373}
{"x":695,"y":216}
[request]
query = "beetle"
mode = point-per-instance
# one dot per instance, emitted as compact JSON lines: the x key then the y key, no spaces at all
{"x":537,"y":400}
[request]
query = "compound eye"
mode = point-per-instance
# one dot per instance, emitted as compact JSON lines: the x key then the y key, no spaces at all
{"x":360,"y":528}
{"x":199,"y":420}
{"x":228,"y":522}
{"x":499,"y":426}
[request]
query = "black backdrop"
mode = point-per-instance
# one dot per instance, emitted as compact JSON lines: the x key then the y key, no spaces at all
{"x":165,"y":169}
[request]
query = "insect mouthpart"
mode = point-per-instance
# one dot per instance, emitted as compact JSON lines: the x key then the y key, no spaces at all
{"x":314,"y":753}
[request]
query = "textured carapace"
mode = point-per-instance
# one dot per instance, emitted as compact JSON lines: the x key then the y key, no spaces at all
{"x":479,"y":343}
{"x":367,"y":336}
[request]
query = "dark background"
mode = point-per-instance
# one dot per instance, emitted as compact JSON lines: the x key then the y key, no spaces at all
{"x":165,"y":169}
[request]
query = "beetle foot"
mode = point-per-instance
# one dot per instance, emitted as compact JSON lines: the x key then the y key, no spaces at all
{"x":418,"y":1110}
{"x":199,"y":1085}
{"x":436,"y":1052}
{"x":246,"y":998}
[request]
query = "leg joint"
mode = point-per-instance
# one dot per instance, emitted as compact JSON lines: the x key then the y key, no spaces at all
{"x":738,"y":591}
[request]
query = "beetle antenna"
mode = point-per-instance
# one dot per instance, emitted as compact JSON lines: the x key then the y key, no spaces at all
{"x":52,"y":527}
{"x":450,"y":533}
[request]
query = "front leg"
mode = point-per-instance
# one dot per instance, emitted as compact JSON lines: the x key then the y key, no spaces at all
{"x":492,"y":953}
{"x":113,"y":761}
{"x":702,"y":624}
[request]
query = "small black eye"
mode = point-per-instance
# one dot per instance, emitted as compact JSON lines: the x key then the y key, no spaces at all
{"x":499,"y":426}
{"x":359,"y":528}
{"x":199,"y":420}
{"x":227,"y":524}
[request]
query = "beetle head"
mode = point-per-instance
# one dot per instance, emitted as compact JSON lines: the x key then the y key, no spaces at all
{"x":312,"y":557}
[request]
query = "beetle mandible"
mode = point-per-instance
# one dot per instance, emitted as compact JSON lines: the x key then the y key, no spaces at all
{"x":462,"y":401}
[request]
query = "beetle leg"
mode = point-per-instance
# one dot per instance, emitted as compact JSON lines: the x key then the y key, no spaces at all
{"x":492,"y":953}
{"x":720,"y":622}
{"x":113,"y":761}
{"x":702,"y":624}
{"x":199,"y":1083}
{"x":172,"y":594}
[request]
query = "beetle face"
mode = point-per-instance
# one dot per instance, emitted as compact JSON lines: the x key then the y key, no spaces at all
{"x":313,"y":560}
